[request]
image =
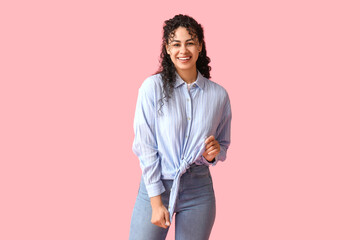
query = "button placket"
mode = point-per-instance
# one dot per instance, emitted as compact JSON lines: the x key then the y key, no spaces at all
{"x":188,"y":110}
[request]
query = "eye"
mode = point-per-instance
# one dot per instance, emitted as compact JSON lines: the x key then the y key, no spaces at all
{"x":190,"y":43}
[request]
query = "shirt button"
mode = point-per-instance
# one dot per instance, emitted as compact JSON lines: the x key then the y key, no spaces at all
{"x":193,"y":85}
{"x":188,"y":118}
{"x":188,"y":99}
{"x":186,"y":136}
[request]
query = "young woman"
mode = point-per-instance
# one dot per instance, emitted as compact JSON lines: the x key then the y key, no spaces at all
{"x":182,"y":126}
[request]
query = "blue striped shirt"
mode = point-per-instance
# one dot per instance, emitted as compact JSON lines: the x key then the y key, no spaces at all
{"x":166,"y":144}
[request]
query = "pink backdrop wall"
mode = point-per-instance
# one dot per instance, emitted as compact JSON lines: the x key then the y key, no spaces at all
{"x":70,"y":72}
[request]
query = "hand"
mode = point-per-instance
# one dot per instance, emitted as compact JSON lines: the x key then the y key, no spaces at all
{"x":160,"y":215}
{"x":212,"y":148}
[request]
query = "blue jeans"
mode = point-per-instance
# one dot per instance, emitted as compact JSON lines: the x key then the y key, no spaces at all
{"x":194,"y":211}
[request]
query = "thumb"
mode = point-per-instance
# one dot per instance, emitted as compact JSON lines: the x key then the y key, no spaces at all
{"x":167,"y":218}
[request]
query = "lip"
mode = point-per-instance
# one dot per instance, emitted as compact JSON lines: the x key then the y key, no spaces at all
{"x":184,"y":61}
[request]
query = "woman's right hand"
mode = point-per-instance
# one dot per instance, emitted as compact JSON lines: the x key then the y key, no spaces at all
{"x":160,"y":215}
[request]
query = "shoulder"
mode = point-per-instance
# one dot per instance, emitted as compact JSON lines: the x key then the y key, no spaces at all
{"x":151,"y":86}
{"x":219,"y":96}
{"x":151,"y":82}
{"x":216,"y":89}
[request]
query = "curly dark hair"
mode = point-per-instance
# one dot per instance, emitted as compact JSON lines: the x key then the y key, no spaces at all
{"x":167,"y":68}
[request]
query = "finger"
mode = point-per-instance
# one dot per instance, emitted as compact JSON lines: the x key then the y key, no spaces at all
{"x":167,"y":219}
{"x":209,"y":139}
{"x":216,"y":151}
{"x":216,"y":144}
{"x":163,"y":225}
{"x":159,"y":222}
{"x":210,"y":144}
{"x":210,"y":149}
{"x":162,"y":222}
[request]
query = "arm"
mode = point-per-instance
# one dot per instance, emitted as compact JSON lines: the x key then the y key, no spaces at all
{"x":145,"y":144}
{"x":145,"y":147}
{"x":222,"y":134}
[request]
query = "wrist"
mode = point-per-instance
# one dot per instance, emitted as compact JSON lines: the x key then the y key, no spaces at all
{"x":156,"y":201}
{"x":210,"y":161}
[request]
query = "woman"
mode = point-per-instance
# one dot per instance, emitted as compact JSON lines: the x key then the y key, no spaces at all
{"x":182,"y":126}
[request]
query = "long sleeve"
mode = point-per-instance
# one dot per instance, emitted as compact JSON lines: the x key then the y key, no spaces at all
{"x":222,"y":133}
{"x":145,"y":143}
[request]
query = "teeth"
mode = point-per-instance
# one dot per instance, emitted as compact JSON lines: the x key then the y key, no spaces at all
{"x":184,"y":58}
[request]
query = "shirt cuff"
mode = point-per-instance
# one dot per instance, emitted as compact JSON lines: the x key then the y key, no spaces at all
{"x":155,"y":189}
{"x":212,"y":163}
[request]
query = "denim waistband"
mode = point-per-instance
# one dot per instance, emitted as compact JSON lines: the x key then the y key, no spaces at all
{"x":197,"y":168}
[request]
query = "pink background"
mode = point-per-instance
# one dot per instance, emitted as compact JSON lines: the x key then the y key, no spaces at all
{"x":70,"y":72}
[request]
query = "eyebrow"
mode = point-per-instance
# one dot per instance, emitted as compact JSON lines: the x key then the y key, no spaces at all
{"x":180,"y":41}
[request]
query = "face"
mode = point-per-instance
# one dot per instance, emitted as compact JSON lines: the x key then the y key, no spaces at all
{"x":183,"y":50}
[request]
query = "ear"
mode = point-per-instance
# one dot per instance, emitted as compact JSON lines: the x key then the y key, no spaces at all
{"x":200,"y":47}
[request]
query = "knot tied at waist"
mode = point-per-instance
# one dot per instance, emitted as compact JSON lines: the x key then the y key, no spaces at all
{"x":184,"y":165}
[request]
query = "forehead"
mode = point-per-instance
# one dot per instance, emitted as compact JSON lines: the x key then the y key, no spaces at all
{"x":181,"y":33}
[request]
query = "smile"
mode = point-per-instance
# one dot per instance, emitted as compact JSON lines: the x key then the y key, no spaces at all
{"x":184,"y":59}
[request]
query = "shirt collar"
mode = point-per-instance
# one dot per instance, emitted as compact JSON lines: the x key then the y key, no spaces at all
{"x":200,"y":81}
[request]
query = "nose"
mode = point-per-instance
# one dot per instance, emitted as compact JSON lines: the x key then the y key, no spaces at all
{"x":183,"y":49}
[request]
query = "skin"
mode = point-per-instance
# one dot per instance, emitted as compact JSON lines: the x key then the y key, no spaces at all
{"x":180,"y":46}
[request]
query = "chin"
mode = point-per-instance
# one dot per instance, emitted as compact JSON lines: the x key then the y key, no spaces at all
{"x":185,"y":67}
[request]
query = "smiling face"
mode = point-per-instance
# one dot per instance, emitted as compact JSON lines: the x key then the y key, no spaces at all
{"x":184,"y":50}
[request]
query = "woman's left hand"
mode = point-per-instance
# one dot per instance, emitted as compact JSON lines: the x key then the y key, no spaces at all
{"x":212,"y":148}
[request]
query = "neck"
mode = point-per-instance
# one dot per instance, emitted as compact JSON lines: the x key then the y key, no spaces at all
{"x":189,"y":75}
